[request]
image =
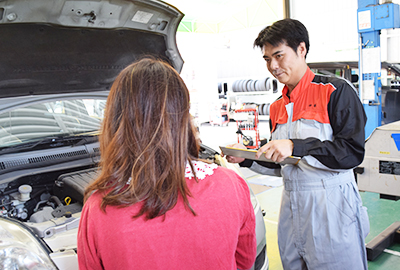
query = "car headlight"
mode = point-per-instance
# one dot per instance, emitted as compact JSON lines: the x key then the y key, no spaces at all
{"x":21,"y":249}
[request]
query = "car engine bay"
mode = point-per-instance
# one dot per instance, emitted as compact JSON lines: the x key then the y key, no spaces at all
{"x":37,"y":198}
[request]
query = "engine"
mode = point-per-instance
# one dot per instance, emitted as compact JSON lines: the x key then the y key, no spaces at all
{"x":42,"y":203}
{"x":46,"y":198}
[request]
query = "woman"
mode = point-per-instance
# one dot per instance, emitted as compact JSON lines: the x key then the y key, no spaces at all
{"x":155,"y":205}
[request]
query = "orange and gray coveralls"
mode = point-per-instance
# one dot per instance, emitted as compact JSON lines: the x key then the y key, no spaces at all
{"x":322,"y":223}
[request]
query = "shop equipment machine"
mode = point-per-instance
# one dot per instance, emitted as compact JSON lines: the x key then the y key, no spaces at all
{"x":247,"y":124}
{"x":380,"y":173}
{"x":372,"y":17}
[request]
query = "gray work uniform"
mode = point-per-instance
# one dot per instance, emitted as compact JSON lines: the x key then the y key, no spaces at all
{"x":322,"y":223}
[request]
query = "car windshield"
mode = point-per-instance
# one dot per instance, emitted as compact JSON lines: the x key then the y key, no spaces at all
{"x":48,"y":119}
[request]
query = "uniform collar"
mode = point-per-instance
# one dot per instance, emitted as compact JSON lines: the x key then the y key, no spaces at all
{"x":305,"y":80}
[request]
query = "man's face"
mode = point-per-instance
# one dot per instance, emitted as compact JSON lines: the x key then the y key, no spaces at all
{"x":286,"y":65}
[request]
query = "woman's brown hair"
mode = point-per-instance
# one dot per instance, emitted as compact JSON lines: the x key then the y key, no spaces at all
{"x":146,"y":140}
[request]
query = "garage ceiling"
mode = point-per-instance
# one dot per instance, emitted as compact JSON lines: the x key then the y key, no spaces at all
{"x":216,"y":16}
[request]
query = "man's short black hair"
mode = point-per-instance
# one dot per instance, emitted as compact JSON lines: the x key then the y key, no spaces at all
{"x":288,"y":31}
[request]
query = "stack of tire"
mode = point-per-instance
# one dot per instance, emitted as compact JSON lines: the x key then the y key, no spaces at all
{"x":263,"y":109}
{"x":266,"y":84}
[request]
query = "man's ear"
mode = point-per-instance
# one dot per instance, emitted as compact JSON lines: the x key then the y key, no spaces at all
{"x":301,"y":49}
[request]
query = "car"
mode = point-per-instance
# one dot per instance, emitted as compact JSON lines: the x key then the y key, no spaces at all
{"x":59,"y":59}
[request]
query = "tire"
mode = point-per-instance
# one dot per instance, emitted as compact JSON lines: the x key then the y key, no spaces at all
{"x":268,"y":84}
{"x":259,"y":85}
{"x":248,"y":85}
{"x":264,"y":84}
{"x":261,"y":110}
{"x":266,"y":109}
{"x":274,"y":86}
{"x":234,"y":86}
{"x":253,"y":85}
{"x":244,"y":86}
{"x":239,"y":86}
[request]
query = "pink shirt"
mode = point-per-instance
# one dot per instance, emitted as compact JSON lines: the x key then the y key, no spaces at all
{"x":221,"y":236}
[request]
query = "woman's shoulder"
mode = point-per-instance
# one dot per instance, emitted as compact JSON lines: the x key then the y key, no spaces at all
{"x":94,"y":201}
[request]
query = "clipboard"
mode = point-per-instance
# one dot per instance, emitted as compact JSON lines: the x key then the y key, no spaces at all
{"x":251,"y":154}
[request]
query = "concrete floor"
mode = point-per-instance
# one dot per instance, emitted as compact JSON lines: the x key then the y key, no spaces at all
{"x":382,"y":213}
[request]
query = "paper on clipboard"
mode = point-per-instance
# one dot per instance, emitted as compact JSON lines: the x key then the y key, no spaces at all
{"x":251,"y":154}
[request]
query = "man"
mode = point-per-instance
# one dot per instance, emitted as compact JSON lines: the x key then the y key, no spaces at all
{"x":322,"y":223}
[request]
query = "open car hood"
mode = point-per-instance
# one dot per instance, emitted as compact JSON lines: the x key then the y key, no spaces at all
{"x":69,"y":46}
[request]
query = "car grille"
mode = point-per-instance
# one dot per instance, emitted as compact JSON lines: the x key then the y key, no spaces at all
{"x":260,"y":259}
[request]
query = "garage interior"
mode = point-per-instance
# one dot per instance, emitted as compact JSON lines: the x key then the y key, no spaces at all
{"x":231,"y":91}
{"x":226,"y":32}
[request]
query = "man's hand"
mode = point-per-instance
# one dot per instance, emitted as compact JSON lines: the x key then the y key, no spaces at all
{"x":276,"y":150}
{"x":232,"y":159}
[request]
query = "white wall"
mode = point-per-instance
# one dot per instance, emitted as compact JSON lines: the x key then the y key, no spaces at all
{"x":332,"y":26}
{"x":390,"y":43}
{"x":199,"y":72}
{"x":240,"y":59}
{"x":231,"y":54}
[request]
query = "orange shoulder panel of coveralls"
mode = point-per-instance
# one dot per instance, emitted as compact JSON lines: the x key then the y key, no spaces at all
{"x":310,"y":101}
{"x":277,"y":112}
